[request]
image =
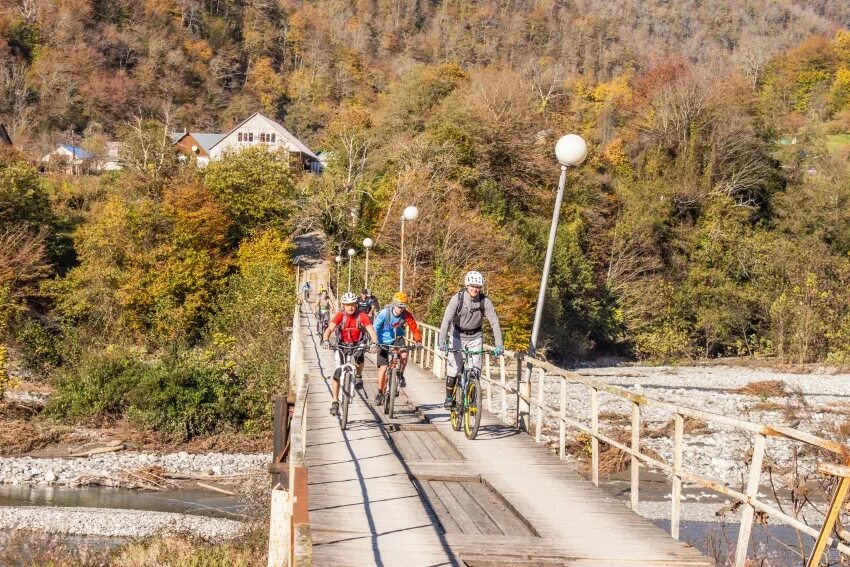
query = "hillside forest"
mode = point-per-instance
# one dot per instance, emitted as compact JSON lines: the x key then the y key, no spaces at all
{"x":711,"y":218}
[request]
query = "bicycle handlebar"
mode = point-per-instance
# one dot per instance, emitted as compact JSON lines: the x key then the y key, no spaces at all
{"x":466,"y":351}
{"x":398,"y":347}
{"x":351,"y":348}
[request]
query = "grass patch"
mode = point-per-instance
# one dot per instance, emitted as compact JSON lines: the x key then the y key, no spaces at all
{"x":835,"y":142}
{"x":764,"y":389}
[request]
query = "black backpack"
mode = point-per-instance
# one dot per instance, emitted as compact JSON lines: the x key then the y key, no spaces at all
{"x":460,"y":303}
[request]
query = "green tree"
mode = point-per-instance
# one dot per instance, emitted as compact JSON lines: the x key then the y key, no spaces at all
{"x":255,"y":188}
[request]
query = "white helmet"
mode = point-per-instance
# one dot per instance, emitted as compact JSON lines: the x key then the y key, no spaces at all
{"x":473,"y":278}
{"x":348,"y":298}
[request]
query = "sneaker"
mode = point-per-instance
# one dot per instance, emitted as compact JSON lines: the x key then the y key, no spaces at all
{"x":449,"y":403}
{"x":379,"y":399}
{"x":401,"y":382}
{"x":358,"y":382}
{"x":334,"y":408}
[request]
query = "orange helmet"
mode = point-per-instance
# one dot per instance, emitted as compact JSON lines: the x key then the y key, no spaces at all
{"x":400,"y":299}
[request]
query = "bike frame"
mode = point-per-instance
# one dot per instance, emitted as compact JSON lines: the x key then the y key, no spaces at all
{"x":395,"y":357}
{"x":348,"y":368}
{"x":467,"y":355}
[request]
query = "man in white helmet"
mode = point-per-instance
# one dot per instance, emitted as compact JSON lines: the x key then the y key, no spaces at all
{"x":462,"y":327}
{"x":354,"y":327}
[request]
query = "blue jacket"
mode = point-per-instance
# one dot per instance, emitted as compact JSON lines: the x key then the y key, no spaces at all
{"x":389,"y":327}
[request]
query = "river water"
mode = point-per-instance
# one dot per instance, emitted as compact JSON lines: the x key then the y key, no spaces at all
{"x":183,"y":501}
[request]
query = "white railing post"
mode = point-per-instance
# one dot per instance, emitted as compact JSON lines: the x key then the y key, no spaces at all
{"x":635,"y":465}
{"x":562,"y":429}
{"x":502,"y":379}
{"x":678,"y":442}
{"x":752,"y":492}
{"x":594,"y":436}
{"x":489,"y":383}
{"x":540,"y":392}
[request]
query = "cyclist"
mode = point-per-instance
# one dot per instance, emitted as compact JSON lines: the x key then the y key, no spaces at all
{"x":321,"y":289}
{"x":465,"y":313}
{"x":352,"y":325}
{"x":306,"y":289}
{"x":390,"y":326}
{"x":364,"y":305}
{"x":323,"y":309}
{"x":375,"y":305}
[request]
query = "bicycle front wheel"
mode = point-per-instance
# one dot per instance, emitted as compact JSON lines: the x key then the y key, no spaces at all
{"x":457,"y":409}
{"x":472,"y":415}
{"x":392,"y":376}
{"x":345,"y":398}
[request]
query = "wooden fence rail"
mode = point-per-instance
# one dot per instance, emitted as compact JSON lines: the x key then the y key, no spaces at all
{"x":529,"y":410}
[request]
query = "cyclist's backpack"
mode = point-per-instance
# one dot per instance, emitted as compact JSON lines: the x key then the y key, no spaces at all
{"x":460,"y":303}
{"x":342,"y":325}
{"x":389,"y":311}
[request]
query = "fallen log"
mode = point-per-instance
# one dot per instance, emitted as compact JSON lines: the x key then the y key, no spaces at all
{"x":215,"y":488}
{"x":96,"y":448}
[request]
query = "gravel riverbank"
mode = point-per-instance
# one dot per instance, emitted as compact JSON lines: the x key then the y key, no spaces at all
{"x":814,"y":403}
{"x":73,"y":471}
{"x":116,"y":523}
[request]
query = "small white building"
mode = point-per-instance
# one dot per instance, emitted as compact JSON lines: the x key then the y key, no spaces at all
{"x":72,"y":159}
{"x":112,"y":160}
{"x":196,"y":145}
{"x":260,"y":130}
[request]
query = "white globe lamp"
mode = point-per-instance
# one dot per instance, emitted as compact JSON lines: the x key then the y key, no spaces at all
{"x":571,"y":150}
{"x":351,"y":252}
{"x":368,"y":242}
{"x":410,"y":213}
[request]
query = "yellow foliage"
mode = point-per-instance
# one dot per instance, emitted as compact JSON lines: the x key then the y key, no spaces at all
{"x":200,"y":48}
{"x":266,"y":84}
{"x":615,"y":152}
{"x":6,"y":381}
{"x":842,"y":46}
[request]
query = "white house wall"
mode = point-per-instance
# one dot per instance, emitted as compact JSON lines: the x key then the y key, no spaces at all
{"x":256,"y":125}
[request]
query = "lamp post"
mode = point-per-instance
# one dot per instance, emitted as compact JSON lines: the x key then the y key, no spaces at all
{"x":367,"y":244}
{"x":338,"y":268}
{"x":410,"y":213}
{"x":570,"y":151}
{"x":351,"y":253}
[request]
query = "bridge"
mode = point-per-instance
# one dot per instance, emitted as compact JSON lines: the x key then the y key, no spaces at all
{"x":410,"y":491}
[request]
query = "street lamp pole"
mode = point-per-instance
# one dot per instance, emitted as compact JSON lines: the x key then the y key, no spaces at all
{"x":367,"y":244}
{"x":338,"y":268}
{"x":570,"y":151}
{"x":410,"y":213}
{"x":351,"y":253}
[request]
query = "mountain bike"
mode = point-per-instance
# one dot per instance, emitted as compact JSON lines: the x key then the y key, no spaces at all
{"x":392,"y":387}
{"x":322,"y":319}
{"x":346,"y":379}
{"x":466,"y":409}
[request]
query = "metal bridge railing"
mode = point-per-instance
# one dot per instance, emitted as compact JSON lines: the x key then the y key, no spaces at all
{"x":515,"y":376}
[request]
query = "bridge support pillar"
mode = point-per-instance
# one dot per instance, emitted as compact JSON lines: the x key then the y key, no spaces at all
{"x":280,"y":528}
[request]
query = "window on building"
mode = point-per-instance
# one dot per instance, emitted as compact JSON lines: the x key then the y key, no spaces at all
{"x":273,"y":137}
{"x":250,"y":136}
{"x":239,"y":136}
{"x":263,"y":137}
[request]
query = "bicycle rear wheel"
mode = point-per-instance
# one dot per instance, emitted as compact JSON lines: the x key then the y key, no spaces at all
{"x":392,"y":386}
{"x":457,"y":409}
{"x":345,"y":399}
{"x":472,"y":415}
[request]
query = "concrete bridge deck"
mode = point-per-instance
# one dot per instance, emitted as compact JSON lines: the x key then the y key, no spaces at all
{"x":412,"y":492}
